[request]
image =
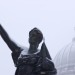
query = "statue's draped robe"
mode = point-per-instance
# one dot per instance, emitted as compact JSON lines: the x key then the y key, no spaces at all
{"x":33,"y":64}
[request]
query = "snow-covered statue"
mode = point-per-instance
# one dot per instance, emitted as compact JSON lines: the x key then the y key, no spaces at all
{"x":30,"y":61}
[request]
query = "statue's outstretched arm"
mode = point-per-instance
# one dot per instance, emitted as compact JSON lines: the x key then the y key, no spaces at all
{"x":8,"y":41}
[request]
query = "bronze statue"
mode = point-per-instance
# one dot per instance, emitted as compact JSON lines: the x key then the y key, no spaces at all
{"x":30,"y":61}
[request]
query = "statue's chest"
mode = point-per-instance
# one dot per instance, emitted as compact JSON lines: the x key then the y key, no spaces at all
{"x":24,"y":53}
{"x":27,"y":58}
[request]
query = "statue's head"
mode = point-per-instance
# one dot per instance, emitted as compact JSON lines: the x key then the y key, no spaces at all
{"x":35,"y":36}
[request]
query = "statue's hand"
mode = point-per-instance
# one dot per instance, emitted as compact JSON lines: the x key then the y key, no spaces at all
{"x":0,"y":29}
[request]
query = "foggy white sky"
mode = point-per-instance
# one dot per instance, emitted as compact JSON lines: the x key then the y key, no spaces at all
{"x":55,"y":18}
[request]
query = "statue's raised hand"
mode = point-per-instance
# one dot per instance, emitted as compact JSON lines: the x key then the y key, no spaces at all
{"x":0,"y":29}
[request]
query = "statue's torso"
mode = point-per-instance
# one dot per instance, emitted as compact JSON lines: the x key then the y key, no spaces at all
{"x":27,"y":63}
{"x":28,"y":58}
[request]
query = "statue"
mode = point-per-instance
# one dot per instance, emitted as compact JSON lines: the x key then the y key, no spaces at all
{"x":30,"y":61}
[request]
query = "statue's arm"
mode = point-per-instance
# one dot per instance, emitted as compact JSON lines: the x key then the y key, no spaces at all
{"x":12,"y":45}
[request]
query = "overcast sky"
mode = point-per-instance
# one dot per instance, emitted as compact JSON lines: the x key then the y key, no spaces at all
{"x":55,"y":18}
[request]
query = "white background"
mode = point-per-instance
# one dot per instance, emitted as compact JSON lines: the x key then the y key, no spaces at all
{"x":55,"y":18}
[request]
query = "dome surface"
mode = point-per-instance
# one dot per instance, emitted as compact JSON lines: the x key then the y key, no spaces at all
{"x":65,"y":60}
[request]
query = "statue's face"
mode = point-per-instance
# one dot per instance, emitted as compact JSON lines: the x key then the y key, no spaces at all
{"x":33,"y":38}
